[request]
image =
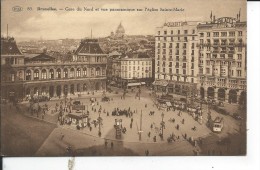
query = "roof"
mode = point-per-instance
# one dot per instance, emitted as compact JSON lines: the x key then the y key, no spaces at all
{"x":42,"y":57}
{"x":114,"y":53}
{"x":9,"y":47}
{"x":89,"y":46}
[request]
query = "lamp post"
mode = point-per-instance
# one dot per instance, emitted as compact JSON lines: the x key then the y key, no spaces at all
{"x":162,"y":124}
{"x":99,"y":122}
{"x":140,"y":131}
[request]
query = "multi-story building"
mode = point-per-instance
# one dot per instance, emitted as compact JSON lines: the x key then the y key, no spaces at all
{"x":222,"y":59}
{"x":12,"y":69}
{"x":176,"y":58}
{"x":44,"y":75}
{"x":135,"y":70}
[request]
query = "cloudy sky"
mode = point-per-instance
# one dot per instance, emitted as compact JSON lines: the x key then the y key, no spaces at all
{"x":63,"y":24}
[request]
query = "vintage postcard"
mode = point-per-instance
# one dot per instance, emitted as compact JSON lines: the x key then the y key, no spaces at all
{"x":123,"y":78}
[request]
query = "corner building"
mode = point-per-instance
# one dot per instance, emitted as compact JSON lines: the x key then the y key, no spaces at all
{"x":45,"y":75}
{"x":222,"y":59}
{"x":176,"y":58}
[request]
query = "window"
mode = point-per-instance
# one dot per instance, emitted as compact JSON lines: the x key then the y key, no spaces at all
{"x":165,"y":32}
{"x":177,"y":71}
{"x":239,"y":56}
{"x":239,"y":73}
{"x":72,"y":74}
{"x":179,"y":31}
{"x":58,"y":73}
{"x":20,"y":75}
{"x":240,"y":33}
{"x":171,"y":31}
{"x":165,"y":38}
{"x":184,"y":71}
{"x":239,"y":64}
{"x":12,"y":76}
{"x":28,"y":75}
{"x":158,"y":32}
{"x":223,"y":34}
{"x":44,"y":74}
{"x":65,"y":72}
{"x":84,"y":71}
{"x":185,"y":31}
{"x":78,"y":74}
{"x":208,"y":34}
{"x":193,"y":31}
{"x":207,"y":70}
{"x":36,"y":75}
{"x":232,"y":33}
{"x":215,"y":34}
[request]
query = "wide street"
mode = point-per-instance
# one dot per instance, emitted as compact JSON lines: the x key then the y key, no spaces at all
{"x":87,"y":142}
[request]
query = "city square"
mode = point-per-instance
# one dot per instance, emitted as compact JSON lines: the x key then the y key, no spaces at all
{"x":88,"y":142}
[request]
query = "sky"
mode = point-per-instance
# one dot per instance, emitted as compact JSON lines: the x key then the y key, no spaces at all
{"x":74,"y":24}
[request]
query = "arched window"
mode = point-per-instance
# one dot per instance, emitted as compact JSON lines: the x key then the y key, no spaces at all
{"x":66,"y":75}
{"x":84,"y":71}
{"x":28,"y":75}
{"x":58,"y":73}
{"x":36,"y":75}
{"x":72,"y":73}
{"x":44,"y":74}
{"x":78,"y":72}
{"x":51,"y":74}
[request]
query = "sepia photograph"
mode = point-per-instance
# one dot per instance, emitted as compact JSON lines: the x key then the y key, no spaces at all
{"x":123,"y":78}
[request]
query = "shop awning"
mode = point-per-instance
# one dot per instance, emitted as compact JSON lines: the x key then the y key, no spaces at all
{"x":133,"y":84}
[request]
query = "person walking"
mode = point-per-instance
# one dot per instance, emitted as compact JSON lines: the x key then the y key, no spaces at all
{"x":112,"y":145}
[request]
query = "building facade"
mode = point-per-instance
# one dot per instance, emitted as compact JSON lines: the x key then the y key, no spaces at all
{"x":136,"y":71}
{"x":222,"y":59}
{"x":176,"y":58}
{"x":43,"y":75}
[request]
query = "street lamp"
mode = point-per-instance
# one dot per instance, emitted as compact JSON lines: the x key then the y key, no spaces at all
{"x":162,"y":124}
{"x":99,"y":122}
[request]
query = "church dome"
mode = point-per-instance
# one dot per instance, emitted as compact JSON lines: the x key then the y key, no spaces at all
{"x":120,"y":29}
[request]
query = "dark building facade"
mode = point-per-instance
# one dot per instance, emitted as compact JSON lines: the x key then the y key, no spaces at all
{"x":43,"y":75}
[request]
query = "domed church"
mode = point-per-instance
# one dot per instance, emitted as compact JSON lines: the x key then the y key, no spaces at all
{"x":120,"y":32}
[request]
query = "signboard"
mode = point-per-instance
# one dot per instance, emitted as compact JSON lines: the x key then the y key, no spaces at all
{"x":78,"y":107}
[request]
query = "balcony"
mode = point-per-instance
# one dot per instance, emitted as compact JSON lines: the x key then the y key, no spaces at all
{"x":184,"y":60}
{"x":177,"y":53}
{"x":177,"y":47}
{"x":177,"y":66}
{"x":170,"y":59}
{"x":183,"y":66}
{"x":164,"y":58}
{"x":231,"y":52}
{"x":170,"y":46}
{"x":223,"y":51}
{"x":215,"y":51}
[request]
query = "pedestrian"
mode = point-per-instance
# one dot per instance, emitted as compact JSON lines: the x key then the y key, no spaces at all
{"x":149,"y":134}
{"x":182,"y":121}
{"x":106,"y":143}
{"x":147,"y":152}
{"x":177,"y":126}
{"x":112,"y":145}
